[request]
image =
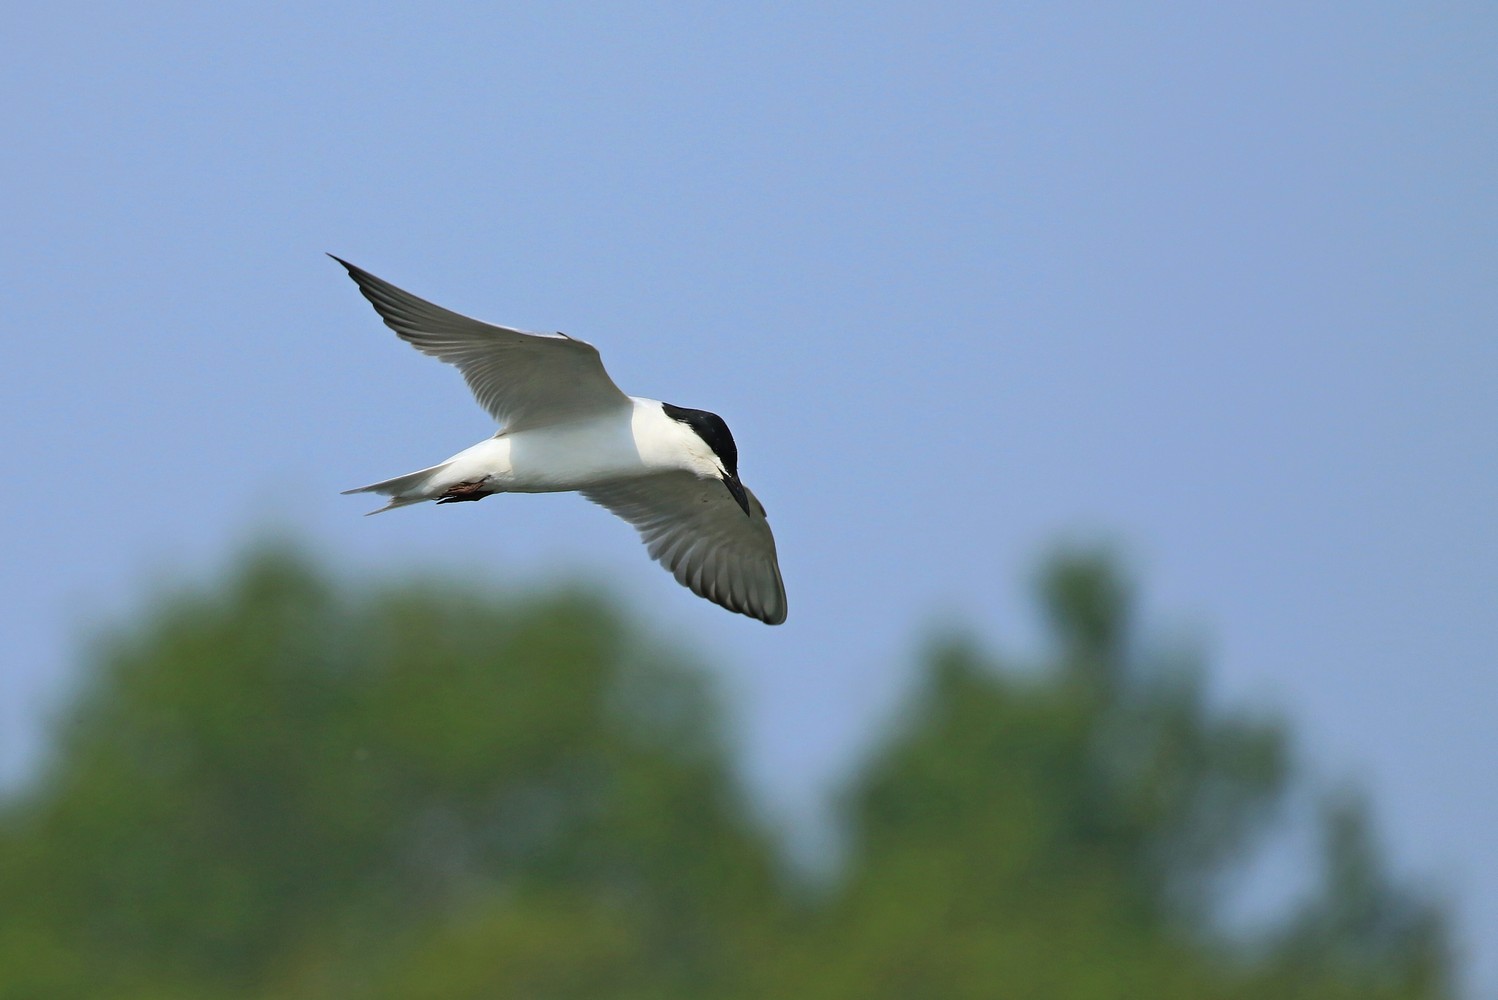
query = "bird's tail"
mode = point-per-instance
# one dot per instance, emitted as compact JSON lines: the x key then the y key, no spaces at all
{"x":402,"y":490}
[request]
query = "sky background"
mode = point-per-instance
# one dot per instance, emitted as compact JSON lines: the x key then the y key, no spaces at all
{"x":1216,"y":283}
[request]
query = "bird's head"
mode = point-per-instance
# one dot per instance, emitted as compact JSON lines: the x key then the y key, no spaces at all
{"x":710,"y":429}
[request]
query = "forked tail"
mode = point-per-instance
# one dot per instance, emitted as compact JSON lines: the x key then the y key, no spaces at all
{"x":413,"y":487}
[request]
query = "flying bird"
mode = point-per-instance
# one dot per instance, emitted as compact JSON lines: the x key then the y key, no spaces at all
{"x":670,"y":471}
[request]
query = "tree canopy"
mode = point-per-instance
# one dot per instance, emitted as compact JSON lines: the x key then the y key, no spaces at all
{"x":285,"y":785}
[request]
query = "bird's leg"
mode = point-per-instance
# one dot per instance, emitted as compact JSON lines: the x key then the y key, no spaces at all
{"x":472,"y":490}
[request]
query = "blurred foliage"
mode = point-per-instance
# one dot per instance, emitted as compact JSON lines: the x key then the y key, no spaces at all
{"x":288,"y":787}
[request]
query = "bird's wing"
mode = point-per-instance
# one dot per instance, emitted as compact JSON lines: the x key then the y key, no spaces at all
{"x":522,"y":379}
{"x":695,"y":528}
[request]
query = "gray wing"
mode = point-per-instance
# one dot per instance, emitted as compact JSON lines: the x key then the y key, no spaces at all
{"x":522,"y":379}
{"x":694,"y":528}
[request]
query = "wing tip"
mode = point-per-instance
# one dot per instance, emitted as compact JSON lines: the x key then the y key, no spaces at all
{"x":775,"y":613}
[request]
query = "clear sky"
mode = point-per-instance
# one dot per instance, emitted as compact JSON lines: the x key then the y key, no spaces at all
{"x":1216,"y":282}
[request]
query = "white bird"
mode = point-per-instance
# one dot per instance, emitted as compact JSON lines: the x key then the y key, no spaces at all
{"x":670,"y":471}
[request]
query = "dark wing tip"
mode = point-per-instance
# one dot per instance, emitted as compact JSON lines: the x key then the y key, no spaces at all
{"x":771,"y":609}
{"x":775,"y":613}
{"x":354,"y":270}
{"x":363,"y":278}
{"x":389,"y":301}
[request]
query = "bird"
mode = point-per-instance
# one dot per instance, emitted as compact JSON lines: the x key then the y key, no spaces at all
{"x":670,"y":471}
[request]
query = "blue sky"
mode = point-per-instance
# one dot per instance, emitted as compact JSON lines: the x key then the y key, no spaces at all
{"x":1217,"y":283}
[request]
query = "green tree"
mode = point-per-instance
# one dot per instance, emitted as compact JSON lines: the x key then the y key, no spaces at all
{"x":1062,"y":831}
{"x":284,"y":782}
{"x":1362,"y":934}
{"x":290,"y":787}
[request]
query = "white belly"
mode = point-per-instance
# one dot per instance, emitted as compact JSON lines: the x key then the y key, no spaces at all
{"x":547,"y":460}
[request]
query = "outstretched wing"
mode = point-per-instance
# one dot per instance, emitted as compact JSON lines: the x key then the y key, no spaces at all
{"x":695,"y":529}
{"x":522,"y":379}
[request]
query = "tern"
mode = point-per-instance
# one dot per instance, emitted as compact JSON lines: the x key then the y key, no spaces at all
{"x":670,"y":471}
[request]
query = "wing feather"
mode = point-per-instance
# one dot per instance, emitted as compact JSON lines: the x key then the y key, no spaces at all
{"x":522,"y":379}
{"x":693,"y":528}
